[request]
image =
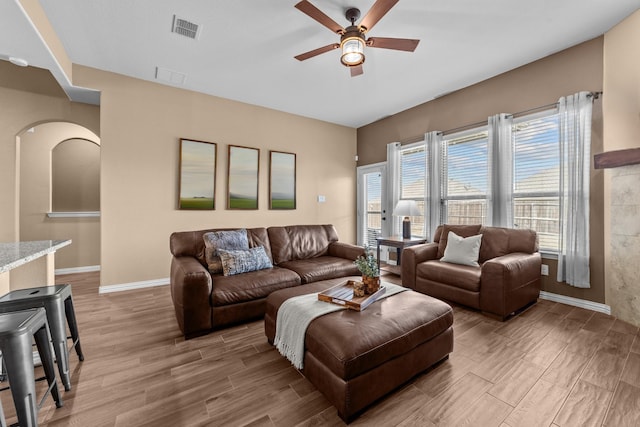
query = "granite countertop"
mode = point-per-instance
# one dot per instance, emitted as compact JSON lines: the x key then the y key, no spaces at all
{"x":15,"y":254}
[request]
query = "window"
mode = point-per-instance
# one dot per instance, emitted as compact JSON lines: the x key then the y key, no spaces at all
{"x":536,"y":203}
{"x":464,"y":178}
{"x":413,"y":173}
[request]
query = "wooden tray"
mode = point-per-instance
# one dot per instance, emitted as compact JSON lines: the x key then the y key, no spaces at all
{"x":342,"y":294}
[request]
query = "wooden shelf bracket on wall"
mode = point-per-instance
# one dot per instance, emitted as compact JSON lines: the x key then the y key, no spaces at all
{"x":615,"y":159}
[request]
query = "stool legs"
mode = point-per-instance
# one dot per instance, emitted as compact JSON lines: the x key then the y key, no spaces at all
{"x":42,"y":342}
{"x":73,"y":326}
{"x":58,"y":329}
{"x":3,"y":421}
{"x":18,"y":329}
{"x":19,"y":363}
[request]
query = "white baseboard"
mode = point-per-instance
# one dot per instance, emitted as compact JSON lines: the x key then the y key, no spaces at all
{"x":72,"y":270}
{"x":132,"y":285}
{"x":576,"y":302}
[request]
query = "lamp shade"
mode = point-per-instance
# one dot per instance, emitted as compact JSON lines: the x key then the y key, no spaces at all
{"x":352,"y":51}
{"x":406,"y":208}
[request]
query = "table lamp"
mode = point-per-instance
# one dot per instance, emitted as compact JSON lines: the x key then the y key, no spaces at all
{"x":406,"y":208}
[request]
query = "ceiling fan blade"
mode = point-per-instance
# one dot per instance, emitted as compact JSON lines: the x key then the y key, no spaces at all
{"x":377,"y":11}
{"x":408,"y":45}
{"x":307,"y":8}
{"x":356,"y":71}
{"x":317,"y":51}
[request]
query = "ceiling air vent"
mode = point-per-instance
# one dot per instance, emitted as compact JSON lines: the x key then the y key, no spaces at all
{"x":184,"y":27}
{"x":170,"y":76}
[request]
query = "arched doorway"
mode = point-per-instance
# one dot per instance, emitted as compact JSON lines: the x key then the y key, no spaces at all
{"x":59,"y":191}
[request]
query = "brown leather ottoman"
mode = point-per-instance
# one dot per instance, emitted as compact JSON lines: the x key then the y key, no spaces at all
{"x":354,"y":358}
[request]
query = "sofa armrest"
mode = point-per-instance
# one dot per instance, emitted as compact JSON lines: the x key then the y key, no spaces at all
{"x":509,"y":282}
{"x":411,"y":257}
{"x":191,"y":286}
{"x":345,"y":250}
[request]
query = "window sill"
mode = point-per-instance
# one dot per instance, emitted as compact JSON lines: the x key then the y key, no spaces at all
{"x":549,"y":255}
{"x":73,"y":214}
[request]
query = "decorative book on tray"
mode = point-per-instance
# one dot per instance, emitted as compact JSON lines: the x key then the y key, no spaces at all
{"x":342,"y":294}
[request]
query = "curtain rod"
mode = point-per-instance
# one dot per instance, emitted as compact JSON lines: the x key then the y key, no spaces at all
{"x":595,"y":95}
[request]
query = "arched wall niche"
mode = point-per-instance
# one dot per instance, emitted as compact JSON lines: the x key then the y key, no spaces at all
{"x":75,"y":176}
{"x":36,"y":148}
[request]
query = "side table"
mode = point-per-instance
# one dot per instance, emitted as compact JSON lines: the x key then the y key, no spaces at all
{"x":399,"y":243}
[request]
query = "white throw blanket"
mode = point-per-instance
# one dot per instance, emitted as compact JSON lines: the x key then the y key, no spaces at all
{"x":295,"y":315}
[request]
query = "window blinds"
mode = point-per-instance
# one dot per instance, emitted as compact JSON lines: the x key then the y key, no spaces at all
{"x":464,"y":178}
{"x":536,"y":178}
{"x":374,"y":208}
{"x":413,"y":173}
{"x":536,"y":158}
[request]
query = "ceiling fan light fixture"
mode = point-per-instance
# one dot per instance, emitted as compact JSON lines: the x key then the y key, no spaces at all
{"x":352,"y":51}
{"x":352,"y":38}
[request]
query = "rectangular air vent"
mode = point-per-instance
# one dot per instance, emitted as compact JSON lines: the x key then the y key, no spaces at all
{"x":170,"y":76}
{"x":185,"y":28}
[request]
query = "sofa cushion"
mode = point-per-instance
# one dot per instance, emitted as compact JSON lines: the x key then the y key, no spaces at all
{"x":321,"y":268}
{"x":300,"y":241}
{"x":259,"y":237}
{"x":191,"y":243}
{"x":460,"y":230}
{"x":498,"y":241}
{"x":223,"y":239}
{"x":521,"y":240}
{"x":237,"y":262}
{"x":461,"y":276}
{"x":462,"y":250}
{"x":495,"y":243}
{"x":250,"y":286}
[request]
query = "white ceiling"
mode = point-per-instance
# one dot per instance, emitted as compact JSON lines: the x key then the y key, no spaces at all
{"x":246,"y":48}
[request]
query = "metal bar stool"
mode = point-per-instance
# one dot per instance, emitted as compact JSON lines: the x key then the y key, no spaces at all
{"x":58,"y":303}
{"x":17,"y":330}
{"x":3,"y":422}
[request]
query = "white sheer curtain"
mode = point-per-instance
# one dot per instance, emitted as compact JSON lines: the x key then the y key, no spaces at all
{"x":433,"y":189}
{"x":393,"y":187}
{"x":575,"y":149}
{"x":500,"y":191}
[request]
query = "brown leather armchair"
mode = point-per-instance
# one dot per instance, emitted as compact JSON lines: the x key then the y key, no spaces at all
{"x":507,"y":280}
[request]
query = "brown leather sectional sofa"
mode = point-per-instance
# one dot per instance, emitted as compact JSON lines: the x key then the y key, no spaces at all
{"x":300,"y":254}
{"x":507,"y":280}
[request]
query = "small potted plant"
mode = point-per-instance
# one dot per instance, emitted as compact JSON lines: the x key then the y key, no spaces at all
{"x":368,"y":266}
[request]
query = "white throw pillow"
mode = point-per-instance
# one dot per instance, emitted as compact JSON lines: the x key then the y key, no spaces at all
{"x":462,"y":250}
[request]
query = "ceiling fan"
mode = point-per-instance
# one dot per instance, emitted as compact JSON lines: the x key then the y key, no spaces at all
{"x":352,"y":38}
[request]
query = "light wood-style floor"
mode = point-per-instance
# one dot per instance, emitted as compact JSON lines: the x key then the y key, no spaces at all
{"x":553,"y":365}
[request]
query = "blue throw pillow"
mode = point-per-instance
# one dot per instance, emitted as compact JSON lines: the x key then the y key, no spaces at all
{"x":223,"y":239}
{"x":244,"y":261}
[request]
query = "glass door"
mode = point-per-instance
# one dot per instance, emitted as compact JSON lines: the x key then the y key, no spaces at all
{"x":372,"y":204}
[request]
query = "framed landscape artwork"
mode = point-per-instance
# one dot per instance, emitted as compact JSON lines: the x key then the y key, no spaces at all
{"x":242,"y":179}
{"x":197,"y":174}
{"x":282,"y":180}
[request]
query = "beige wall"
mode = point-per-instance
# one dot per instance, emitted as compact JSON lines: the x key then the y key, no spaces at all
{"x":75,"y":176}
{"x":539,"y":83}
{"x":621,"y":111}
{"x":20,"y":110}
{"x":35,"y":148}
{"x":141,"y":123}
